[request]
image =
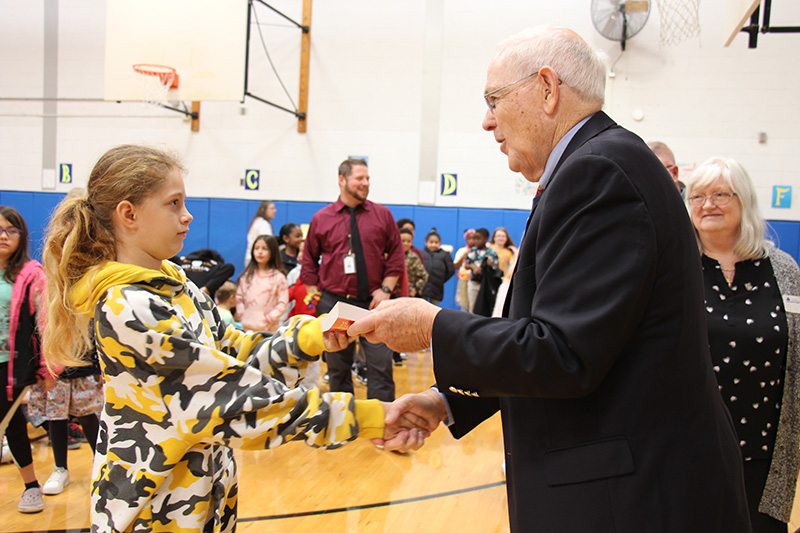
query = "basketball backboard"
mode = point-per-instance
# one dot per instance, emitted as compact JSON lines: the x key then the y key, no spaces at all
{"x":204,"y":40}
{"x":737,"y":14}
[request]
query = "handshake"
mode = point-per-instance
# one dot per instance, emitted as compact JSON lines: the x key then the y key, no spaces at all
{"x":410,"y":420}
{"x":405,"y":325}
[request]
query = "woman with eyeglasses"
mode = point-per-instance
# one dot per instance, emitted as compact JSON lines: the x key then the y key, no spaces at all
{"x":22,"y":285}
{"x":754,"y":333}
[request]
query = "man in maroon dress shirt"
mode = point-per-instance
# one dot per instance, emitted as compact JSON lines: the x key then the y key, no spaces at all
{"x":374,"y":246}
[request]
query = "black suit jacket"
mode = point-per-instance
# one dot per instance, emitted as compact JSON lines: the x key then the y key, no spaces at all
{"x":611,"y":413}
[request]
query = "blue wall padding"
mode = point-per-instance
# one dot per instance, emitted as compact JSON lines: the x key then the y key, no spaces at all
{"x":786,"y":236}
{"x":222,"y":224}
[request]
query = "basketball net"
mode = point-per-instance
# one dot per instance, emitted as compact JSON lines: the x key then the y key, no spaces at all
{"x":679,"y":21}
{"x":156,"y":81}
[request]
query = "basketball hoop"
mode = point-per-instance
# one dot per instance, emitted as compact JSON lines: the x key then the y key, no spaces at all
{"x":156,"y":80}
{"x":680,"y":20}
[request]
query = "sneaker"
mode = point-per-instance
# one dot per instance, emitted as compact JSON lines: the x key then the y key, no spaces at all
{"x":76,"y":432}
{"x":56,"y":482}
{"x":31,"y":501}
{"x":361,"y":375}
{"x":5,"y":453}
{"x":403,"y":355}
{"x":398,"y":361}
{"x":326,"y":378}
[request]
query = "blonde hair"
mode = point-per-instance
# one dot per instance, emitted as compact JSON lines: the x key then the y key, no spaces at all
{"x":81,"y":236}
{"x":750,"y":243}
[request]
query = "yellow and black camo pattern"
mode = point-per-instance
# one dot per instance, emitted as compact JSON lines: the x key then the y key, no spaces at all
{"x":181,"y":389}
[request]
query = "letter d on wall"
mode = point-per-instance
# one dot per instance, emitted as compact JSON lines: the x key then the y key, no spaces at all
{"x":782,"y":196}
{"x":251,"y":179}
{"x":449,"y":184}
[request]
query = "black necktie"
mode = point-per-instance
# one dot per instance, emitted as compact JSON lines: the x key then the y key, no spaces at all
{"x":361,"y":264}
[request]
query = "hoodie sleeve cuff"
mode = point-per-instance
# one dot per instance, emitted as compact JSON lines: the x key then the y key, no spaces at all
{"x":309,"y":338}
{"x":370,"y":417}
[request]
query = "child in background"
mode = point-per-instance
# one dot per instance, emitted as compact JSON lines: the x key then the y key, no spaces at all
{"x":226,"y":302}
{"x":291,"y":239}
{"x":417,"y":276}
{"x":462,"y":293}
{"x":301,"y":303}
{"x":439,"y":266}
{"x":260,"y":225}
{"x":182,"y":388}
{"x":475,"y":259}
{"x":76,"y":394}
{"x":22,"y":285}
{"x":507,"y":257}
{"x":263,"y":293}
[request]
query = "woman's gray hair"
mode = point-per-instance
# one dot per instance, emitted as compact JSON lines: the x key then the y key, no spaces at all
{"x":577,"y":64}
{"x":750,"y":243}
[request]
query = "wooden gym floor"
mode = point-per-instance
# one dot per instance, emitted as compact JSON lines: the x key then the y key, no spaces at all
{"x":447,"y":485}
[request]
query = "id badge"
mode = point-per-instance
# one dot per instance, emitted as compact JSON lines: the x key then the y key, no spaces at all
{"x":791,"y":304}
{"x":350,"y":264}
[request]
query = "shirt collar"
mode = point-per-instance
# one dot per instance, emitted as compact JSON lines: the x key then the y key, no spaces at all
{"x":339,"y":205}
{"x":558,"y":151}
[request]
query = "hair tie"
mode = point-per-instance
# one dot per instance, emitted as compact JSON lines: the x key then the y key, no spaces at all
{"x":88,"y":204}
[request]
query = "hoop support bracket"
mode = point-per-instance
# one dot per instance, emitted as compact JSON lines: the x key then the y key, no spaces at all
{"x":754,"y":28}
{"x":298,"y":114}
{"x":305,"y":59}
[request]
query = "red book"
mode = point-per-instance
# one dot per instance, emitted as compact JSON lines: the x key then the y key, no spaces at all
{"x":341,"y":316}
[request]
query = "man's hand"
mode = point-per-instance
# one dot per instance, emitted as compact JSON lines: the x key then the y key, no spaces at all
{"x":411,"y":419}
{"x":378,"y":296}
{"x":336,"y":340}
{"x":404,"y":324}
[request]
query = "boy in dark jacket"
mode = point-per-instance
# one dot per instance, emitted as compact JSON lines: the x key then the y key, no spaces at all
{"x":439,"y":265}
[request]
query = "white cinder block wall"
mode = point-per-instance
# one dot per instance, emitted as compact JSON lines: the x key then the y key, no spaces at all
{"x":401,"y":83}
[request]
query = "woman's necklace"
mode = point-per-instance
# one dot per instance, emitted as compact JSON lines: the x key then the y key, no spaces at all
{"x":728,"y":273}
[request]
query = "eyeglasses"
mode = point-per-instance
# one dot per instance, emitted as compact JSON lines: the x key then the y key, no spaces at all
{"x":718,"y":199}
{"x":11,"y":232}
{"x":493,"y":102}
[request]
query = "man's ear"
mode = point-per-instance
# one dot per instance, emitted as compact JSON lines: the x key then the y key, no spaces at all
{"x":551,"y":88}
{"x":126,"y":214}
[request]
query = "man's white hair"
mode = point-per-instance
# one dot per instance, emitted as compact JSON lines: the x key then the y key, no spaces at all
{"x":577,"y":64}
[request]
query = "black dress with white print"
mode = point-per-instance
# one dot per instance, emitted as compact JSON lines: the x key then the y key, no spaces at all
{"x":748,"y":338}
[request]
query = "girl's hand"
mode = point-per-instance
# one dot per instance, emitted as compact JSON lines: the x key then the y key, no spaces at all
{"x":336,"y":340}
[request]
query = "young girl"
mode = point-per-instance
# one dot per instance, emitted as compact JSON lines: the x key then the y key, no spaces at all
{"x":462,"y":297}
{"x":260,"y":225}
{"x":263,"y":293}
{"x":22,"y":284}
{"x":291,"y":239}
{"x":439,"y":265}
{"x":181,"y":387}
{"x":507,"y":256}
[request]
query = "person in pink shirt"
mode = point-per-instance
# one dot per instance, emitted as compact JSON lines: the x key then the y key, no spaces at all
{"x":263,"y":293}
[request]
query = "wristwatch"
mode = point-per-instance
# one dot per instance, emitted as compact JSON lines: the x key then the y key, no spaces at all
{"x":386,"y":289}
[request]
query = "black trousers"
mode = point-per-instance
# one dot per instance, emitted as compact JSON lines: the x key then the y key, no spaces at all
{"x":380,"y":367}
{"x":17,"y":431}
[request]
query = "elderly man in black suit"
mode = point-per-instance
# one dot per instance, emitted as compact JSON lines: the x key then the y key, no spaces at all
{"x":611,"y":414}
